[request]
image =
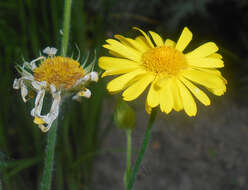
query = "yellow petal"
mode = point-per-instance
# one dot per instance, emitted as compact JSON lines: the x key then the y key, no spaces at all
{"x":187,"y":100}
{"x":116,"y":63}
{"x":205,"y":62}
{"x":177,"y":100}
{"x":169,"y":42}
{"x":123,"y":50}
{"x":115,"y":66}
{"x":157,"y":38}
{"x":153,"y":95}
{"x":136,"y":89}
{"x":199,"y":94}
{"x":166,"y":97}
{"x":142,"y":41}
{"x":122,"y":81}
{"x":132,"y":43}
{"x":203,"y":51}
{"x":146,"y":37}
{"x":212,"y":82}
{"x":218,"y":91}
{"x":117,"y":71}
{"x":215,"y":55}
{"x":215,"y":72}
{"x":184,"y":39}
{"x":115,"y":54}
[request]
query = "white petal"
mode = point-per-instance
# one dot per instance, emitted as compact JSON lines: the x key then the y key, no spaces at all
{"x":55,"y":105}
{"x":93,"y":76}
{"x":32,"y":112}
{"x":36,"y":85}
{"x":53,"y":88}
{"x":43,"y":84}
{"x":85,"y":93}
{"x":16,"y":84}
{"x":29,"y":78}
{"x":24,"y":91}
{"x":38,"y":103}
{"x":39,"y":85}
{"x":53,"y":114}
{"x":51,"y":51}
{"x":32,"y":64}
{"x":82,"y":81}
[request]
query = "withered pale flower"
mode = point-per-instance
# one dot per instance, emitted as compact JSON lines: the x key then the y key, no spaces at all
{"x":55,"y":75}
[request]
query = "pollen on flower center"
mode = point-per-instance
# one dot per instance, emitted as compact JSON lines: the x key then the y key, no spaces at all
{"x":164,"y":59}
{"x":63,"y":72}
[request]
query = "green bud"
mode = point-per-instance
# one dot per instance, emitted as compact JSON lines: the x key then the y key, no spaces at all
{"x":124,"y":116}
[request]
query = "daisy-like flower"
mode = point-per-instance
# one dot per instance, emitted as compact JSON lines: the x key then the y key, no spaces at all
{"x":171,"y":73}
{"x":58,"y":76}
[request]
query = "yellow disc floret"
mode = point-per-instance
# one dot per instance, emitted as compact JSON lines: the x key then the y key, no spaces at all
{"x":63,"y":72}
{"x":164,"y":59}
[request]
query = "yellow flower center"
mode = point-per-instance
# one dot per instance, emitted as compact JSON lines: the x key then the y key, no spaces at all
{"x":165,"y":60}
{"x":63,"y":72}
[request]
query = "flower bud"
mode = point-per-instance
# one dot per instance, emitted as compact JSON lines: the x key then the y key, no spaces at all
{"x":124,"y":116}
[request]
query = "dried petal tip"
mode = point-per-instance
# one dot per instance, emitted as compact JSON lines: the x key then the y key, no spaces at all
{"x":85,"y":93}
{"x":94,"y":76}
{"x":38,"y":121}
{"x":16,"y":84}
{"x":51,"y":51}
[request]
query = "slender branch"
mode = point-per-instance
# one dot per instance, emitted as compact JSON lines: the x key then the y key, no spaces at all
{"x":142,"y":150}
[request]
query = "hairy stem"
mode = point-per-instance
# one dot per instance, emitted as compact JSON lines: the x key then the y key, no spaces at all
{"x":46,"y":179}
{"x":66,"y":27}
{"x":128,"y":154}
{"x":142,"y":150}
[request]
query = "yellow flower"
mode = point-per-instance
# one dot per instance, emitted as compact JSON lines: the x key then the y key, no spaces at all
{"x":59,"y":76}
{"x":171,"y":73}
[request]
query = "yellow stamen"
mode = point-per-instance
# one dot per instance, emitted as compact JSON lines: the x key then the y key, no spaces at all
{"x":63,"y":72}
{"x":164,"y":59}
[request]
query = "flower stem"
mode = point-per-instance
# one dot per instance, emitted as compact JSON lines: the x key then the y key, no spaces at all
{"x":46,"y":179}
{"x":66,"y":27}
{"x":1,"y":187}
{"x":142,"y":150}
{"x":128,"y":154}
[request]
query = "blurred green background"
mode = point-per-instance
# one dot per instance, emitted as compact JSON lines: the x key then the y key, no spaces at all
{"x":86,"y":130}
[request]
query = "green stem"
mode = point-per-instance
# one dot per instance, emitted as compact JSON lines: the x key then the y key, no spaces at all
{"x":142,"y":150}
{"x":128,"y":154}
{"x":46,"y":179}
{"x":66,"y":26}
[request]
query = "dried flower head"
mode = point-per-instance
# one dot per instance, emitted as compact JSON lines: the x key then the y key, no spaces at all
{"x":59,"y":76}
